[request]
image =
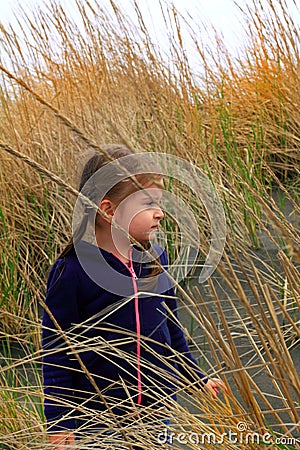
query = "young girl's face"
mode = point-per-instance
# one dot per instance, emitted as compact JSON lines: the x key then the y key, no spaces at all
{"x":140,"y":213}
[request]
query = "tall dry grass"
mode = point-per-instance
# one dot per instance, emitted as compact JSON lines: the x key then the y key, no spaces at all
{"x":69,"y":88}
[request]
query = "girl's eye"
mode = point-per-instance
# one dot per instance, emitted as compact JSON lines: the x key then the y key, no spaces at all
{"x":152,"y":204}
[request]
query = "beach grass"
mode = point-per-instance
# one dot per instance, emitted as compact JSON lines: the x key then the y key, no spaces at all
{"x":66,"y":89}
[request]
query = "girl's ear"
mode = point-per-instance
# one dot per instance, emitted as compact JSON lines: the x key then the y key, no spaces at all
{"x":108,"y":207}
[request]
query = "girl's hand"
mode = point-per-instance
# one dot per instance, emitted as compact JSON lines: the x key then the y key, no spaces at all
{"x":214,"y":385}
{"x":60,"y":440}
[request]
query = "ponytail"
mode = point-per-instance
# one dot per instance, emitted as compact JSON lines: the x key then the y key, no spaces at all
{"x":79,"y":232}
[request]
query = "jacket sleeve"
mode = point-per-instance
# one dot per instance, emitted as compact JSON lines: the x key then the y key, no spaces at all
{"x":58,"y":363}
{"x":187,"y":365}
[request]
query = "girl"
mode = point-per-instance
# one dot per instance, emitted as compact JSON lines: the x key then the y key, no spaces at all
{"x":111,"y":348}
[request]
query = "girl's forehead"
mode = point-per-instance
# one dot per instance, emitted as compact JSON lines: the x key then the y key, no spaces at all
{"x":152,"y":190}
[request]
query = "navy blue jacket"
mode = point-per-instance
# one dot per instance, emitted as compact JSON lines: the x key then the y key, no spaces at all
{"x":121,"y":339}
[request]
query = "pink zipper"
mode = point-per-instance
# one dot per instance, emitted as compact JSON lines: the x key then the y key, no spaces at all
{"x":138,"y":323}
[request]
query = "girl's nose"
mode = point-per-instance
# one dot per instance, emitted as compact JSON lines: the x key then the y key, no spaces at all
{"x":158,"y":213}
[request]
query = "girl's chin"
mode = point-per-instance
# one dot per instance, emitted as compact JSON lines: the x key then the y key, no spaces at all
{"x":146,"y":237}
